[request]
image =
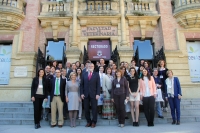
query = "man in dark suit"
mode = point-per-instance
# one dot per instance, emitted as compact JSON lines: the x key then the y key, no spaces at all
{"x":57,"y":98}
{"x":68,"y":68}
{"x":102,"y":63}
{"x":73,"y":69}
{"x":90,"y":91}
{"x":86,"y":66}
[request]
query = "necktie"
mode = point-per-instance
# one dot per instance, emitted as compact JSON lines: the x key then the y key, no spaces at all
{"x":57,"y":86}
{"x":90,"y":75}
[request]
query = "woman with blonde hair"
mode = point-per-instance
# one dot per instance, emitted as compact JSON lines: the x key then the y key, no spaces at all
{"x":72,"y":93}
{"x":173,"y":95}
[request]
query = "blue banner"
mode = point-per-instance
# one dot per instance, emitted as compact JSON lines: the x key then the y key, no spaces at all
{"x":5,"y":63}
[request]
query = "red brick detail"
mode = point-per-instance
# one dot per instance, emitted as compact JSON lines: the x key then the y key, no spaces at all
{"x":168,"y":25}
{"x":192,"y":36}
{"x":6,"y":37}
{"x":49,"y":35}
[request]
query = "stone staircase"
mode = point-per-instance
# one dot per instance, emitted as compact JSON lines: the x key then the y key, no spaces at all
{"x":21,"y":113}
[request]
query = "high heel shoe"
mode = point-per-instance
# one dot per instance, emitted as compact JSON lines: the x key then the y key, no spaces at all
{"x":74,"y":122}
{"x":173,"y":122}
{"x":71,"y":123}
{"x":36,"y":126}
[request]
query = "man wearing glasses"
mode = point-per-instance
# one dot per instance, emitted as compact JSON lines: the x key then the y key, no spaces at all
{"x":90,"y":91}
{"x":57,"y":99}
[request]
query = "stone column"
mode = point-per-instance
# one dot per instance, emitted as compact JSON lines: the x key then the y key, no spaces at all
{"x":74,"y":42}
{"x":123,"y":24}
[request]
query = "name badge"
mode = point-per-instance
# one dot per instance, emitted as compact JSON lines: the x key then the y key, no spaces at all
{"x":40,"y":86}
{"x":117,"y":85}
{"x":161,"y":76}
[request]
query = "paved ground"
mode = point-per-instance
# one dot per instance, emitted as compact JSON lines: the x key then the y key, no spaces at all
{"x":159,"y":128}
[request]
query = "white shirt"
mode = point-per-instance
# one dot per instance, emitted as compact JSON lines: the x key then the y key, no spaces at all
{"x":58,"y":86}
{"x":147,"y":91}
{"x":101,"y":78}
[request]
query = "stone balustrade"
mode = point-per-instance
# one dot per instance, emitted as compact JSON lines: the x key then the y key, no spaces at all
{"x":12,"y":5}
{"x":56,"y":9}
{"x":187,"y":13}
{"x":92,"y":8}
{"x":141,"y":8}
{"x":183,"y":5}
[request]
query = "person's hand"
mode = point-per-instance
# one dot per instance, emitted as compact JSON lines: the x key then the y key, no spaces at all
{"x":155,"y":95}
{"x":127,"y":98}
{"x":104,"y":94}
{"x":33,"y":99}
{"x":166,"y":98}
{"x":112,"y":100}
{"x":141,"y":97}
{"x":45,"y":100}
{"x":179,"y":96}
{"x":80,"y":100}
{"x":135,"y":94}
{"x":67,"y":100}
{"x":82,"y":96}
{"x":97,"y":97}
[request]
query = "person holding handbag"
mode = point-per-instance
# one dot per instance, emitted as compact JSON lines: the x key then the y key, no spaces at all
{"x":158,"y":85}
{"x":119,"y":94}
{"x":39,"y":92}
{"x":108,"y":110}
{"x":173,"y":96}
{"x":148,"y":94}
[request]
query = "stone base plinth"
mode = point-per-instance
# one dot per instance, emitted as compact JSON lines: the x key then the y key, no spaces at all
{"x":125,"y":54}
{"x":73,"y":54}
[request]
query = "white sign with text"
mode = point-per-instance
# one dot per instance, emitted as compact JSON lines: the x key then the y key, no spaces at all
{"x":193,"y":49}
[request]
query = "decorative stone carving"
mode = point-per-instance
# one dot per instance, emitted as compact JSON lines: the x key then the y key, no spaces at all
{"x":54,"y":23}
{"x":187,"y":14}
{"x":143,"y":22}
{"x":98,"y":20}
{"x":113,"y":5}
{"x":11,"y":15}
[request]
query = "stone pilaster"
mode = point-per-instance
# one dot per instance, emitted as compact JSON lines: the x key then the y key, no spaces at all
{"x":74,"y":42}
{"x":123,"y":24}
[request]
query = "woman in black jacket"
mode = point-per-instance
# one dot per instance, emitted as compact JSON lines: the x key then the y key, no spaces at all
{"x":38,"y":94}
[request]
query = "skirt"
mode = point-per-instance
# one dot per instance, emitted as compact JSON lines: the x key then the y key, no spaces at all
{"x":108,"y":110}
{"x":137,"y":98}
{"x":73,"y":103}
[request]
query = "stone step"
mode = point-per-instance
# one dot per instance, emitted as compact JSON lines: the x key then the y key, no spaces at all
{"x":16,"y":104}
{"x":16,"y":109}
{"x":16,"y":115}
{"x":101,"y":122}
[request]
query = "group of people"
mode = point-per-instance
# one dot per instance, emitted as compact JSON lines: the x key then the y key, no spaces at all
{"x":70,"y":86}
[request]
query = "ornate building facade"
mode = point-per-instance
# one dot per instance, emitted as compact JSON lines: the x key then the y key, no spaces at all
{"x":167,"y":26}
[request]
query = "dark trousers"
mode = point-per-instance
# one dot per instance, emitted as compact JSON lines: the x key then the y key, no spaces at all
{"x":148,"y":103}
{"x":165,"y":103}
{"x":65,"y":109}
{"x":120,"y":108}
{"x":174,"y":104}
{"x":37,"y":104}
{"x":87,"y":101}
